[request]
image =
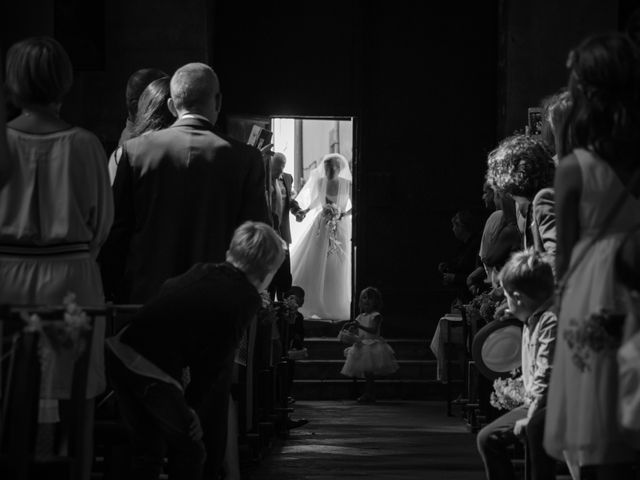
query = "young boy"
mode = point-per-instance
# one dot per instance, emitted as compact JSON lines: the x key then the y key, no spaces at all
{"x":528,"y":284}
{"x":195,"y":321}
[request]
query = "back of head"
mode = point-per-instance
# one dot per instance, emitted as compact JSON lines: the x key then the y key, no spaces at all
{"x":153,"y":112}
{"x":256,"y":249}
{"x":521,"y":165}
{"x":529,"y":272}
{"x":194,"y":87}
{"x":138,"y":81}
{"x":604,"y":85}
{"x":374,"y":295}
{"x":471,"y":221}
{"x":39,"y":72}
{"x":555,"y":110}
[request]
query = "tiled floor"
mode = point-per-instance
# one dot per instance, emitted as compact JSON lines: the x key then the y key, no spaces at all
{"x":400,"y":440}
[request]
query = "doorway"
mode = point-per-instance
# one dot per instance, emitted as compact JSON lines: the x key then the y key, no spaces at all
{"x":322,"y":247}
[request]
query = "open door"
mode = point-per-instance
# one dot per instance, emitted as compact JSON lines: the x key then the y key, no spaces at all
{"x":326,"y":274}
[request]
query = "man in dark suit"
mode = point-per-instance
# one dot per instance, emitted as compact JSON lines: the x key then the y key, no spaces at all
{"x":179,"y":193}
{"x":281,"y":203}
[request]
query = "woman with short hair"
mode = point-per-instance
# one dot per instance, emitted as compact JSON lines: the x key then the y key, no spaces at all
{"x":56,"y":208}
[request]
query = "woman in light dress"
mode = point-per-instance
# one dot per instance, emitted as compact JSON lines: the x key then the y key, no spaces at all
{"x":56,"y":211}
{"x":321,"y":257}
{"x":595,"y":206}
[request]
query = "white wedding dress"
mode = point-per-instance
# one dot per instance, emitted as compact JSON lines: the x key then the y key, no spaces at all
{"x":320,"y":260}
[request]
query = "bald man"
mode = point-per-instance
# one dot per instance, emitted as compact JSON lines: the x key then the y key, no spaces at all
{"x":180,"y":193}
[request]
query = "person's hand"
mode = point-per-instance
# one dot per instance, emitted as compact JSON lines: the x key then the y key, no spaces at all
{"x":442,"y":266}
{"x":474,"y":289}
{"x":502,"y":312}
{"x":195,"y":429}
{"x":448,"y":278}
{"x":520,"y":426}
{"x":300,"y":215}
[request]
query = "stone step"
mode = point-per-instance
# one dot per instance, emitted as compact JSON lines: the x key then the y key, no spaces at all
{"x":327,"y":348}
{"x":330,"y":370}
{"x":385,"y":389}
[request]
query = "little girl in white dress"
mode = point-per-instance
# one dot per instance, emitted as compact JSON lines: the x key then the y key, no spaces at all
{"x":371,"y":355}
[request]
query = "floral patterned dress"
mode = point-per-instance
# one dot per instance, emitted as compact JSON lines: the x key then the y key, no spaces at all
{"x":582,"y":413}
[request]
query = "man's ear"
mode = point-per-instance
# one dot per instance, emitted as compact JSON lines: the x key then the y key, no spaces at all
{"x":172,"y":107}
{"x":218,"y":102}
{"x":517,"y":296}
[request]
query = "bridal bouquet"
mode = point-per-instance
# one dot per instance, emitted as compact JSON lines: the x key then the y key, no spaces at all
{"x":508,"y":393}
{"x":331,"y":216}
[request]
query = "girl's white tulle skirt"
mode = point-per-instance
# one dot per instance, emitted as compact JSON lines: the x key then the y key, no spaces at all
{"x":369,"y":356}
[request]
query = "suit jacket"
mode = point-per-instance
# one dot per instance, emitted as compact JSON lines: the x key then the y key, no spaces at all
{"x":179,"y":195}
{"x":540,"y":230}
{"x":288,"y":205}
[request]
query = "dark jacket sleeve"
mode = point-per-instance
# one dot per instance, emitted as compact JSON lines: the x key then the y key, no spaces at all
{"x":294,"y":207}
{"x":255,"y":196}
{"x":544,"y":218}
{"x":113,"y":255}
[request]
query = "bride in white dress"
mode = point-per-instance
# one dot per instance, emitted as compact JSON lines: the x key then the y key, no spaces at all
{"x":321,"y":257}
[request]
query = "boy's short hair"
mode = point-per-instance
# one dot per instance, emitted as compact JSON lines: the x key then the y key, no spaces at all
{"x":529,"y":272}
{"x":39,"y":72}
{"x":374,"y":295}
{"x":256,"y":249}
{"x":295,"y":290}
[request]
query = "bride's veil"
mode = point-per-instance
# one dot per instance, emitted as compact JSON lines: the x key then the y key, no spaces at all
{"x":315,"y":189}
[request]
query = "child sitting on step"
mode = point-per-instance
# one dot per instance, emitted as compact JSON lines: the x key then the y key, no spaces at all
{"x":370,"y":355}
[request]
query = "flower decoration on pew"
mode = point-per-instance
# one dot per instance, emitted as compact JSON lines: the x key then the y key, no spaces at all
{"x":331,"y":215}
{"x":65,"y":335}
{"x":508,"y":393}
{"x":483,"y":306}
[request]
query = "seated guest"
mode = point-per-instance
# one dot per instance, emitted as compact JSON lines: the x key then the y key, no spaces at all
{"x":523,"y":167}
{"x":196,"y":322}
{"x":528,"y":283}
{"x":136,"y":84}
{"x":56,"y":210}
{"x":506,"y":239}
{"x":152,"y":114}
{"x":466,"y":228}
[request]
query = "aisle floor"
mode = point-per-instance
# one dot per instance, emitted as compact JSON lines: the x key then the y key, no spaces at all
{"x":400,"y":440}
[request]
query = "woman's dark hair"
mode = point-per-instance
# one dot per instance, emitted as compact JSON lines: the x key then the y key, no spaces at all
{"x":39,"y":72}
{"x":137,"y":82}
{"x":555,"y":109}
{"x":604,"y":85}
{"x":153,"y":112}
{"x":295,"y":290}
